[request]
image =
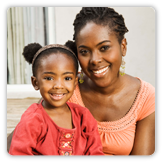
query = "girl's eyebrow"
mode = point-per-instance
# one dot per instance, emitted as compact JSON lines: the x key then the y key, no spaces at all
{"x":49,"y":73}
{"x":68,"y":73}
{"x":83,"y":46}
{"x":55,"y":73}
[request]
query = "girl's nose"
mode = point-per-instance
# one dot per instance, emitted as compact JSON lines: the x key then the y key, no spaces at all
{"x":58,"y":84}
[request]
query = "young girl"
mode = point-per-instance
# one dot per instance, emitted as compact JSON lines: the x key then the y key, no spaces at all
{"x":55,"y":126}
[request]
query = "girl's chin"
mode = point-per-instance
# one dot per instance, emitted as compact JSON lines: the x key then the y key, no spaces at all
{"x":54,"y":106}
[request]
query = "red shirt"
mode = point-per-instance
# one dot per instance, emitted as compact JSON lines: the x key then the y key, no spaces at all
{"x":37,"y":134}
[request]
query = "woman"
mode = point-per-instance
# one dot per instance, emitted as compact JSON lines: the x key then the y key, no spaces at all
{"x":124,"y":106}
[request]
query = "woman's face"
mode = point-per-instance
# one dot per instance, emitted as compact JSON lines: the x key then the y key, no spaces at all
{"x":99,"y":53}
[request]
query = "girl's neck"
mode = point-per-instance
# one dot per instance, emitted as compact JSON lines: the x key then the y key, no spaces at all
{"x":53,"y":110}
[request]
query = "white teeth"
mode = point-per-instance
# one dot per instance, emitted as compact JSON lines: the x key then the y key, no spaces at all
{"x":100,"y":71}
{"x":57,"y":95}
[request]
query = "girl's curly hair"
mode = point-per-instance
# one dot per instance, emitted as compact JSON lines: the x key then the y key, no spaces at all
{"x":30,"y":50}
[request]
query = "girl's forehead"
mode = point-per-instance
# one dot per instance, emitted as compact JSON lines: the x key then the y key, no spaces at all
{"x":57,"y":60}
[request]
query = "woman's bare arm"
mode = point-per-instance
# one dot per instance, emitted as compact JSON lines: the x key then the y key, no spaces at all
{"x":144,"y":143}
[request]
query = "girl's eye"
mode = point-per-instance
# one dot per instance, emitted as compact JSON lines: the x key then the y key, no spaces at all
{"x":48,"y":78}
{"x":68,"y":78}
{"x":104,"y":48}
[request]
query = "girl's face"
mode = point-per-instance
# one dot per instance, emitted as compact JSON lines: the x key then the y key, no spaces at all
{"x":56,"y":79}
{"x":99,"y":53}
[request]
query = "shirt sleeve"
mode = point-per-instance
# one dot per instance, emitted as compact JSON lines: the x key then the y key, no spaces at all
{"x":94,"y":146}
{"x":148,"y":107}
{"x":26,"y":135}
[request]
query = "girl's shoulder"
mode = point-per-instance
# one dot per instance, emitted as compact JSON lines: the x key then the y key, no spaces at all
{"x":80,"y":111}
{"x":82,"y":115}
{"x":33,"y":114}
{"x":77,"y":108}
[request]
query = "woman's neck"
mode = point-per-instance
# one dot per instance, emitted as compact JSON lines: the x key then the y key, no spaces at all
{"x":114,"y":87}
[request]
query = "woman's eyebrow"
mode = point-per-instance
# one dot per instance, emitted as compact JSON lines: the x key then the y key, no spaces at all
{"x":83,"y":46}
{"x":103,"y":42}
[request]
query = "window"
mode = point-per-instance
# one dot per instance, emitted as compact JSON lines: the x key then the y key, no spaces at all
{"x":26,"y":25}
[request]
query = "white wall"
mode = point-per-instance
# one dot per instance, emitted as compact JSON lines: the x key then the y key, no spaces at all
{"x":140,"y":58}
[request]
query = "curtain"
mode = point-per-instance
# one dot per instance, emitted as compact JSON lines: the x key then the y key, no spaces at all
{"x":24,"y":25}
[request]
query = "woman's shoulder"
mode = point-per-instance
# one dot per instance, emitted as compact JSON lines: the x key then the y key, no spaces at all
{"x":146,"y":100}
{"x":146,"y":88}
{"x":138,"y":84}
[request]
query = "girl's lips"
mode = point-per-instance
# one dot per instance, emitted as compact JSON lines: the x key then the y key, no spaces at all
{"x":101,"y":72}
{"x":57,"y":96}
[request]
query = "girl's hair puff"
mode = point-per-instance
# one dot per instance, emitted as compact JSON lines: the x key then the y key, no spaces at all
{"x":30,"y":50}
{"x":71,"y":45}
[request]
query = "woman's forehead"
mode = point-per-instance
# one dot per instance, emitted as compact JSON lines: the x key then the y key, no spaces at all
{"x":93,"y":32}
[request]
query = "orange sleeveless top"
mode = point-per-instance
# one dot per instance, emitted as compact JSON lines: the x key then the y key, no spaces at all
{"x":117,"y":137}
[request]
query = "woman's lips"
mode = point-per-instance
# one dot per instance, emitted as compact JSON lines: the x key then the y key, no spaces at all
{"x":57,"y":96}
{"x":100,"y":72}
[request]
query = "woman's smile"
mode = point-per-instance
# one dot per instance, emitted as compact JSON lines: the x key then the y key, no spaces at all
{"x":100,"y":72}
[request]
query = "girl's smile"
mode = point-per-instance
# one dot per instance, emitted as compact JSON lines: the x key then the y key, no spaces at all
{"x":56,"y":97}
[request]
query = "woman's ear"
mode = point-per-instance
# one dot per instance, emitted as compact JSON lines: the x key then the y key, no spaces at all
{"x":124,"y":47}
{"x":34,"y":83}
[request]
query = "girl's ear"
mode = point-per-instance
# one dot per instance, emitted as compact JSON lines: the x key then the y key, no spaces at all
{"x":34,"y":83}
{"x":124,"y":47}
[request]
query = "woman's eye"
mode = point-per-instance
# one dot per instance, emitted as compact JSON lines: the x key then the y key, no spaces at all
{"x":68,"y":78}
{"x":104,"y":48}
{"x":83,"y":51}
{"x":48,"y":78}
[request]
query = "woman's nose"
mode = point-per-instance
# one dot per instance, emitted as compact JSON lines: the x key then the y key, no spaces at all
{"x":95,"y":58}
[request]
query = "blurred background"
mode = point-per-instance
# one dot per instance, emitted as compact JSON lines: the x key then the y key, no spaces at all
{"x":49,"y":25}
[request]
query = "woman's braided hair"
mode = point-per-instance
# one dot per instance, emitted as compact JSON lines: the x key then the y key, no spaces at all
{"x":103,"y":16}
